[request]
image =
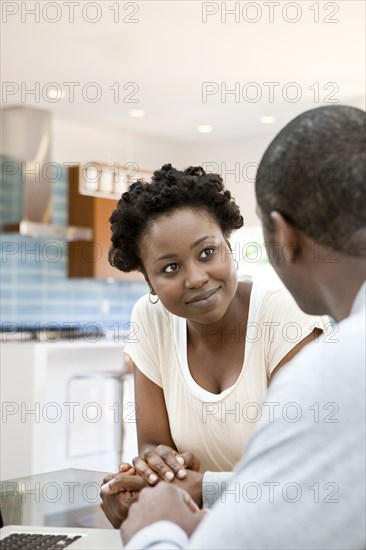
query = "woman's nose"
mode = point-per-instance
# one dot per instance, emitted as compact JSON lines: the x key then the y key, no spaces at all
{"x":195,"y":276}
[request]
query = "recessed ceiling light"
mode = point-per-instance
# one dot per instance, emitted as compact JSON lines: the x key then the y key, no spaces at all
{"x":204,"y":128}
{"x":136,"y":113}
{"x":267,"y":119}
{"x":55,"y":93}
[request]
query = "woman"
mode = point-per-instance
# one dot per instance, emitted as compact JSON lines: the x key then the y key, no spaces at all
{"x":206,"y":345}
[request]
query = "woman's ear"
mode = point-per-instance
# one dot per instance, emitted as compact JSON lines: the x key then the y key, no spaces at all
{"x":143,"y":271}
{"x":286,"y":238}
{"x":228,"y":243}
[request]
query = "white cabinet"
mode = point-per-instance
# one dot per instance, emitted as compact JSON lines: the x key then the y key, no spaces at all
{"x":61,"y":406}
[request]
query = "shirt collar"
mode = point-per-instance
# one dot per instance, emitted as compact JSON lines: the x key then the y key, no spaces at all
{"x":359,"y":303}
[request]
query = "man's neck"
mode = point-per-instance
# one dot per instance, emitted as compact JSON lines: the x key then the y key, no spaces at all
{"x":339,"y":286}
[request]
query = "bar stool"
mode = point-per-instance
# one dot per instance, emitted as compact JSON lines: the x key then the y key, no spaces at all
{"x":116,"y":375}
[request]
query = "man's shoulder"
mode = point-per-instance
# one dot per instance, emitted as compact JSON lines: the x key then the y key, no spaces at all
{"x":316,"y":401}
{"x":332,"y":369}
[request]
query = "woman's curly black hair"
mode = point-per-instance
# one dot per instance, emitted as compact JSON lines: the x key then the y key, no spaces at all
{"x":169,"y":189}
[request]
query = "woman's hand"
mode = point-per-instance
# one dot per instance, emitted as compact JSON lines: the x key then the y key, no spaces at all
{"x":119,"y":491}
{"x":164,"y":462}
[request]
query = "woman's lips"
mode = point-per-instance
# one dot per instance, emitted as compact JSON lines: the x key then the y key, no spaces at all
{"x":207,"y":298}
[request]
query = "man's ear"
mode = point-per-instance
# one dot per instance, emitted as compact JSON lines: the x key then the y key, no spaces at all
{"x":286,"y":238}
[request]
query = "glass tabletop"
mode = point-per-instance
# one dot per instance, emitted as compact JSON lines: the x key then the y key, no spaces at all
{"x":64,"y":498}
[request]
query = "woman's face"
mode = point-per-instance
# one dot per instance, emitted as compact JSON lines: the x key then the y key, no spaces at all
{"x":189,"y":265}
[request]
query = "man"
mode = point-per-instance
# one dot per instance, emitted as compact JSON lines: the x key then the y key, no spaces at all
{"x":301,"y":482}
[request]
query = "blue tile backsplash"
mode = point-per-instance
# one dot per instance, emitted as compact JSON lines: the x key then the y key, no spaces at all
{"x":33,"y":277}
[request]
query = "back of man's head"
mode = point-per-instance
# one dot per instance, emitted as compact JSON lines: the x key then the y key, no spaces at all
{"x":314,"y":174}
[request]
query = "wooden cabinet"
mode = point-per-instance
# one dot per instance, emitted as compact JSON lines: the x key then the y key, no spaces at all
{"x":90,"y":258}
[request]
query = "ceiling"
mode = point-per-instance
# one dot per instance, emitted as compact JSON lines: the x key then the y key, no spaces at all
{"x":168,"y":54}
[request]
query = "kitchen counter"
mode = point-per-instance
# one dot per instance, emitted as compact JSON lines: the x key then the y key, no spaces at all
{"x":103,"y":342}
{"x":74,"y":335}
{"x":61,"y":405}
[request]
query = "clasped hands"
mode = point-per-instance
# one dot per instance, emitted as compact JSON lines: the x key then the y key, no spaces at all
{"x":178,"y":499}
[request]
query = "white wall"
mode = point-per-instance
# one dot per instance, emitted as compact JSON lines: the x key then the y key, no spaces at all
{"x":77,"y":141}
{"x":236,"y":161}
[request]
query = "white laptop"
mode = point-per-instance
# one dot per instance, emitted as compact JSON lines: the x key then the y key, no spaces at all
{"x":59,"y":537}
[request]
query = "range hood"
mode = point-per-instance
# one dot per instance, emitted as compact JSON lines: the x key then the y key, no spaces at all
{"x":27,"y":185}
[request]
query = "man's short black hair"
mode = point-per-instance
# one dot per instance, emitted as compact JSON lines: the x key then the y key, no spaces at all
{"x":314,"y":174}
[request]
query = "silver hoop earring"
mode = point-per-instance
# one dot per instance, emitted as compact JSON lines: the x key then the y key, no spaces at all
{"x":150,"y":300}
{"x":236,"y":263}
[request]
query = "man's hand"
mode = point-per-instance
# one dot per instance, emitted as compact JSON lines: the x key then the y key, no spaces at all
{"x":118,"y":492}
{"x":192,"y":483}
{"x":121,"y":490}
{"x":163,"y":502}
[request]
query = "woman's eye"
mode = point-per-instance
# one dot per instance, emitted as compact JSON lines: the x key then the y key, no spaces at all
{"x":206,"y":252}
{"x":170,"y":268}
